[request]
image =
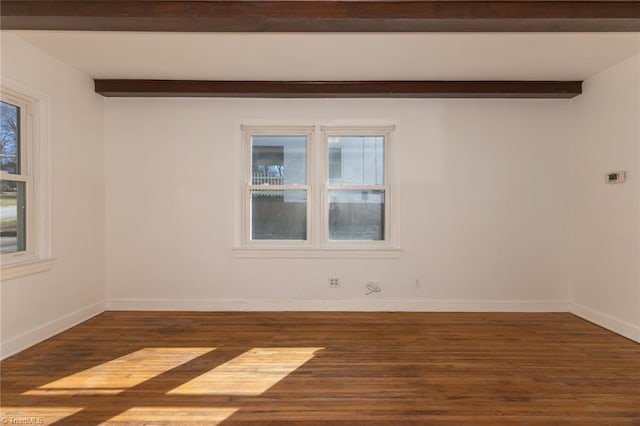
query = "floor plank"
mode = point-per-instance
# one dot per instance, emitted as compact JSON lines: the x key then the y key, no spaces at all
{"x":325,"y":367}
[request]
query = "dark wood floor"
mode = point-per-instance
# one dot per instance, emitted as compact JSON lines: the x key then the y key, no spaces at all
{"x":358,"y":368}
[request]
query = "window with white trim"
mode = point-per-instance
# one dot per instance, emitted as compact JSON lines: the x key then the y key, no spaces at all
{"x":356,"y":193}
{"x":334,"y":194}
{"x":24,"y":205}
{"x":277,"y":191}
{"x":16,"y":186}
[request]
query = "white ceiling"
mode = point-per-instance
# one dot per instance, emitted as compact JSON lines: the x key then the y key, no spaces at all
{"x":331,"y":56}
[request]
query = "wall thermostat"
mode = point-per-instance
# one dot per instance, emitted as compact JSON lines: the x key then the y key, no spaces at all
{"x":615,"y":177}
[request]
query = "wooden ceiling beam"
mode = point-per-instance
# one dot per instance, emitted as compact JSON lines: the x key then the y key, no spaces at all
{"x":338,"y":89}
{"x":323,"y":15}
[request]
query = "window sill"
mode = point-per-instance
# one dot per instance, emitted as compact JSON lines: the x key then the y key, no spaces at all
{"x":316,"y":253}
{"x":22,"y":269}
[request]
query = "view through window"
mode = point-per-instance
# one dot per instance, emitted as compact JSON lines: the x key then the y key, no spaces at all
{"x":336,"y":192}
{"x":279,"y":163}
{"x":13,"y":187}
{"x":357,"y":193}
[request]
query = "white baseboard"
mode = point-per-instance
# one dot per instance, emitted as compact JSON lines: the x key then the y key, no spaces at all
{"x":616,"y":325}
{"x":356,"y":305}
{"x":23,"y":341}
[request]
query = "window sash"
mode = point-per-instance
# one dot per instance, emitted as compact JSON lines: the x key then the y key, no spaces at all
{"x":283,"y":189}
{"x":385,"y":242}
{"x":339,"y":131}
{"x":249,"y":133}
{"x":249,"y":241}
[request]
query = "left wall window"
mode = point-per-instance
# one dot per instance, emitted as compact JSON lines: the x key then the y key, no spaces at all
{"x":16,"y":184}
{"x":25,"y":246}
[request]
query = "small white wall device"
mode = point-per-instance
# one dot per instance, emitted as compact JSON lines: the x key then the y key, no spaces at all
{"x":615,"y":177}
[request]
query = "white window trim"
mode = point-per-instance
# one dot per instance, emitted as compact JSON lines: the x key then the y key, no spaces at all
{"x":317,"y":253}
{"x":318,"y":245}
{"x":248,"y":133}
{"x":36,"y":156}
{"x":385,"y":131}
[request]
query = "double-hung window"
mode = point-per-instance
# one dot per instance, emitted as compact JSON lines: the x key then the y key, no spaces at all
{"x":356,"y":186}
{"x":278,"y":190}
{"x":317,"y":188}
{"x":25,"y":230}
{"x":16,"y":187}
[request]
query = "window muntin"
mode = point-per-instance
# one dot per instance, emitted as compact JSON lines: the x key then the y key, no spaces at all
{"x":16,"y":183}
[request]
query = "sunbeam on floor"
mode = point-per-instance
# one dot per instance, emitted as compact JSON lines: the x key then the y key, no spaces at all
{"x":123,"y":373}
{"x":250,"y":374}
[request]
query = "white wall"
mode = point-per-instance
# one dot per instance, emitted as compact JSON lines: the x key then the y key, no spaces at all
{"x":499,"y":209}
{"x":483,"y":185}
{"x":606,"y":218}
{"x":38,"y":306}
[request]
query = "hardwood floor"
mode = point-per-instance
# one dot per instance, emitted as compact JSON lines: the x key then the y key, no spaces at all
{"x":332,"y":368}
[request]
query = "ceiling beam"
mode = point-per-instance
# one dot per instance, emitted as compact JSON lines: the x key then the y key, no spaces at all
{"x":322,"y":15}
{"x":338,"y":89}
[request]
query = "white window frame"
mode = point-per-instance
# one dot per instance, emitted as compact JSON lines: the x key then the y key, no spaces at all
{"x":317,"y":244}
{"x":35,"y":159}
{"x":333,"y":131}
{"x":251,"y":131}
{"x":24,"y":176}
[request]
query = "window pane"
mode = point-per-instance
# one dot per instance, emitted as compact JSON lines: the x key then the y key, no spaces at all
{"x":361,"y":160}
{"x":278,"y":214}
{"x":279,"y":160}
{"x":335,"y":163}
{"x":9,"y":138}
{"x":12,"y":217}
{"x":356,"y":215}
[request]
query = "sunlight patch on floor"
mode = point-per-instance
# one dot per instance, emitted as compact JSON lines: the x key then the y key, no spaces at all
{"x":120,"y":374}
{"x":173,"y":415}
{"x":251,"y":373}
{"x":35,"y":415}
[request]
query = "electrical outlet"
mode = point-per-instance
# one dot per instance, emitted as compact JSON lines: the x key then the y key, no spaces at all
{"x":615,"y":177}
{"x":416,"y":284}
{"x":334,"y":282}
